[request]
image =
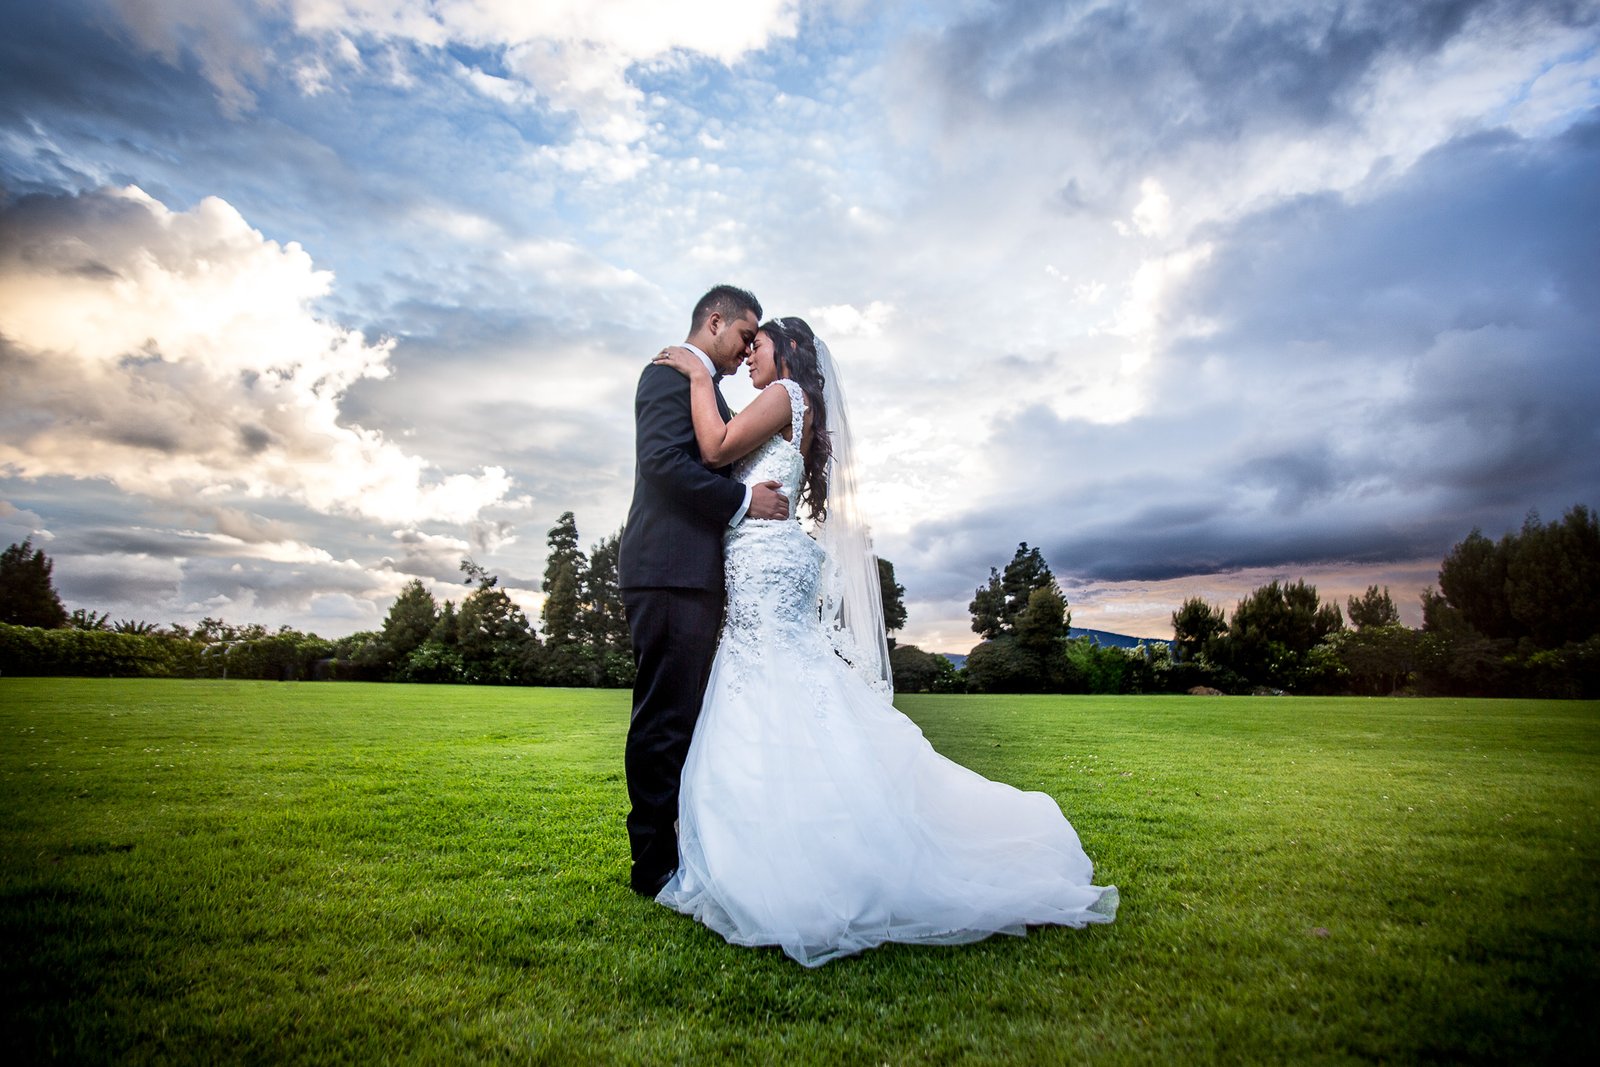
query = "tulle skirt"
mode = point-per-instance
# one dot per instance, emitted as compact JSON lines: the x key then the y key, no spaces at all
{"x":816,"y":817}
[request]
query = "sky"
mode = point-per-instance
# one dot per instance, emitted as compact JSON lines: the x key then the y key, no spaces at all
{"x":303,"y":299}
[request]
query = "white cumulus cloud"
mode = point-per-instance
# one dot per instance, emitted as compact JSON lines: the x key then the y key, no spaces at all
{"x":177,"y":354}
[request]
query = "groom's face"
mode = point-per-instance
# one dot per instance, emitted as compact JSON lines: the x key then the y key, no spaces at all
{"x":731,"y":341}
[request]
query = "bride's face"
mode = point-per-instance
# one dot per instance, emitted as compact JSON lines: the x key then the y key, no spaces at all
{"x":763,"y":367}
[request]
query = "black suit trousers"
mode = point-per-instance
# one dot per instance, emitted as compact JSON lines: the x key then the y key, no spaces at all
{"x":674,"y":635}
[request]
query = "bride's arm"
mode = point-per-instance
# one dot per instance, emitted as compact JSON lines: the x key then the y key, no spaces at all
{"x":723,"y":442}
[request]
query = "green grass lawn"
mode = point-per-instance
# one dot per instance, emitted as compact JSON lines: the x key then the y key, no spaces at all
{"x":220,"y":871}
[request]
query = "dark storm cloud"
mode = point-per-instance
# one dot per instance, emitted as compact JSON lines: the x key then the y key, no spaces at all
{"x":1143,"y":549}
{"x":1172,"y":73}
{"x":1394,"y":370}
{"x":1458,"y":310}
{"x":162,"y":544}
{"x":1487,"y":230}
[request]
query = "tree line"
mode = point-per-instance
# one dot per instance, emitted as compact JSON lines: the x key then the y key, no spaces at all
{"x":1514,"y":617}
{"x":580,"y":639}
{"x":485,"y":639}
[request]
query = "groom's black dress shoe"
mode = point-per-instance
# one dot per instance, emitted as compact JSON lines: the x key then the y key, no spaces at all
{"x":649,"y":885}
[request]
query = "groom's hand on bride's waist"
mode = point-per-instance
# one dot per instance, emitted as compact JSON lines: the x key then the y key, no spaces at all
{"x":767,"y":503}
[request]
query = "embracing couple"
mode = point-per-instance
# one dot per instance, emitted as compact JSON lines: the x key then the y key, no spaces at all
{"x":777,"y":794}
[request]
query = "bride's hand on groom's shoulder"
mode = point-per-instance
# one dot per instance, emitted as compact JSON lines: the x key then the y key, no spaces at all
{"x":681,"y":360}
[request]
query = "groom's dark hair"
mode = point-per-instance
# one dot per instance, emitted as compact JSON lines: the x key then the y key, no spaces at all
{"x":729,"y":300}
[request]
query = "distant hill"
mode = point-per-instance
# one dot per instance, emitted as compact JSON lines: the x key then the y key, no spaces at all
{"x":1111,"y":640}
{"x":1104,"y":638}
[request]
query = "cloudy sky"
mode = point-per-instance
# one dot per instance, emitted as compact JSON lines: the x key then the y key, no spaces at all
{"x":300,"y":299}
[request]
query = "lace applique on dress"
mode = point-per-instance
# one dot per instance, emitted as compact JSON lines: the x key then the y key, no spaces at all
{"x":779,"y":580}
{"x":771,"y":565}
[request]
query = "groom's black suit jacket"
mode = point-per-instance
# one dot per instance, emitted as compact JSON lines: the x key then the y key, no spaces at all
{"x":680,"y":508}
{"x":670,"y":570}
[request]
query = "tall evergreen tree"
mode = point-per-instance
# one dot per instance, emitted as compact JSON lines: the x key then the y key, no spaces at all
{"x":1026,"y":573}
{"x":562,"y":586}
{"x":1473,"y":581}
{"x":1553,"y":578}
{"x":1043,"y":625}
{"x":27,"y":595}
{"x":1375,"y":608}
{"x":1195,"y":626}
{"x":411,"y":618}
{"x":567,"y":658}
{"x":995,"y":606}
{"x":445,"y":630}
{"x":497,"y":645}
{"x":893,"y":593}
{"x":1023,"y":615}
{"x":1274,"y":629}
{"x":602,"y":621}
{"x":988,"y":607}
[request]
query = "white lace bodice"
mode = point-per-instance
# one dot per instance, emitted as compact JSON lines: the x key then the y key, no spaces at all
{"x":771,"y":565}
{"x":778,"y":460}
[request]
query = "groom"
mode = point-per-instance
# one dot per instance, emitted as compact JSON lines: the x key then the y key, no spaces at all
{"x":670,"y":570}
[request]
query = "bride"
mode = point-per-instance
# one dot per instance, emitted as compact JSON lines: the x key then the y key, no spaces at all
{"x":813,"y":815}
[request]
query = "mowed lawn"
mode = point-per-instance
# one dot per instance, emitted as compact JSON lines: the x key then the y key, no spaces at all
{"x":219,"y":872}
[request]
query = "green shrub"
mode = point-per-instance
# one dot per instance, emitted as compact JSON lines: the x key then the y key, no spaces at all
{"x":433,"y":661}
{"x":916,"y":671}
{"x":28,"y":650}
{"x":1001,"y":665}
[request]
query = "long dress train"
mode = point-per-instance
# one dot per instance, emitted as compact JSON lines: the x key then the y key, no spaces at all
{"x":815,"y":816}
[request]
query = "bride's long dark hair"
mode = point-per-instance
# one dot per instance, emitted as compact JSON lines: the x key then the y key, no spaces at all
{"x":794,"y":355}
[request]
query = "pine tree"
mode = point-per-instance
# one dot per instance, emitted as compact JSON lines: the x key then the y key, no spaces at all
{"x":894,"y":604}
{"x":567,"y":659}
{"x":1274,"y":630}
{"x":996,"y":606}
{"x":445,"y":631}
{"x":1375,"y":608}
{"x":605,"y":624}
{"x":603,"y":621}
{"x":562,"y":585}
{"x":27,"y":595}
{"x":497,"y":645}
{"x":988,"y":607}
{"x":1043,"y":625}
{"x":411,"y":618}
{"x":1195,"y":625}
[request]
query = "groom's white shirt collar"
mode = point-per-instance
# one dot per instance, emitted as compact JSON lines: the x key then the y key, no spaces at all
{"x":710,"y":366}
{"x":739,"y":515}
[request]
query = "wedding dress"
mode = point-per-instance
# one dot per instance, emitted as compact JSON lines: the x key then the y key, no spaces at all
{"x":815,"y":816}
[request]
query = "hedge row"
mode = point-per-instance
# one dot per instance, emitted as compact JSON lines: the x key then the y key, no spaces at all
{"x":28,"y":650}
